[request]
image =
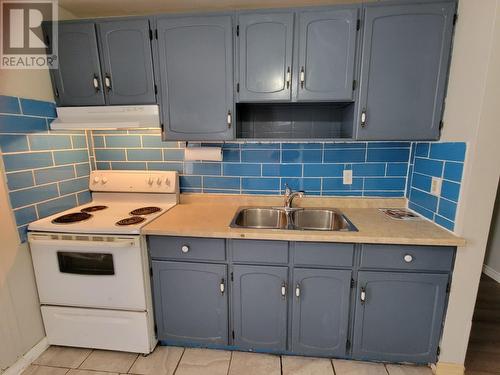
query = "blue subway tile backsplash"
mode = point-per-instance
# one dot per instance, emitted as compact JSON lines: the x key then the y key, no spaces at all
{"x":442,"y":160}
{"x":46,"y":171}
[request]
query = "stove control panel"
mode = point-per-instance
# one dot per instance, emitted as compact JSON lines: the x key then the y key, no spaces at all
{"x":135,"y":181}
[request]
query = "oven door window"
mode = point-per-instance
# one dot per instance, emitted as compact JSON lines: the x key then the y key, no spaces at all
{"x":86,"y":263}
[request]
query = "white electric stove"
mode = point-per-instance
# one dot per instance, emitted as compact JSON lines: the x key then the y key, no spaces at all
{"x":92,"y":267}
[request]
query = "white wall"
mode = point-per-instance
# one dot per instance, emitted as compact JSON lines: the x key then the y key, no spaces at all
{"x":472,"y":113}
{"x":492,"y":260}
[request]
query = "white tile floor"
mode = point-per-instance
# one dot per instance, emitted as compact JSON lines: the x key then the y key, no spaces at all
{"x":180,"y":361}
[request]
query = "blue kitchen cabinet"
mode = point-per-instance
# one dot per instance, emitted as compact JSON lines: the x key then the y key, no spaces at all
{"x":321,"y":300}
{"x":398,"y":316}
{"x":78,"y":79}
{"x":127,"y":62}
{"x":326,"y":48}
{"x":259,"y":301}
{"x":404,"y":69}
{"x":195,"y":68}
{"x":191,"y":303}
{"x":265,"y":45}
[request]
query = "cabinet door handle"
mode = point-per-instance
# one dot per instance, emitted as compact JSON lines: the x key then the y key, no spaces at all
{"x":95,"y":83}
{"x":222,"y":286}
{"x":185,"y":248}
{"x":288,"y":77}
{"x":408,"y":258}
{"x":297,"y":290}
{"x":302,"y":77}
{"x":107,"y":82}
{"x":229,"y":119}
{"x":363,"y":118}
{"x":362,"y":295}
{"x":283,"y":290}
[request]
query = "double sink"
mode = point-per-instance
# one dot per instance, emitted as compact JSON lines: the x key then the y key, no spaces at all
{"x":322,"y":219}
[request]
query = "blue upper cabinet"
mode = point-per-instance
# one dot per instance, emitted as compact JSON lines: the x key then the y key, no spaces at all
{"x":196,"y":77}
{"x":265,"y":45}
{"x":326,"y":55}
{"x":405,"y":57}
{"x":127,"y":63}
{"x":78,"y":80}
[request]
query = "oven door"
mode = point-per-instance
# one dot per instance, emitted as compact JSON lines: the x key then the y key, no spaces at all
{"x":89,"y":271}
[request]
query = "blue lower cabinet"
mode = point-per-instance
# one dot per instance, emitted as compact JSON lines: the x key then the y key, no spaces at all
{"x":320,"y":311}
{"x":260,"y":298}
{"x":398,"y":316}
{"x":191,"y":302}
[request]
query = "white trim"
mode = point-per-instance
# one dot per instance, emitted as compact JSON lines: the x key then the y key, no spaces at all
{"x":28,"y":358}
{"x":494,"y":274}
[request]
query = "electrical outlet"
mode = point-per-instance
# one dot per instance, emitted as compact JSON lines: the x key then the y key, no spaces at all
{"x":436,"y":186}
{"x":347,"y":177}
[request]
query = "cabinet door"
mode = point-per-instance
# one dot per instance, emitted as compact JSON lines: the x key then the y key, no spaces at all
{"x":78,"y":81}
{"x":265,"y":56}
{"x":127,"y":61}
{"x":320,"y":311}
{"x":326,"y":48}
{"x":399,"y":316}
{"x":404,"y":70}
{"x":190,"y":303}
{"x":196,"y":77}
{"x":260,"y":307}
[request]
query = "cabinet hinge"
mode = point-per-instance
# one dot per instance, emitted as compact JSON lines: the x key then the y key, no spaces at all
{"x":438,"y":351}
{"x":238,"y":87}
{"x":156,"y":329}
{"x":358,"y":24}
{"x":150,"y":34}
{"x":238,"y":30}
{"x":156,"y":89}
{"x":353,"y":283}
{"x":232,"y":276}
{"x":455,"y":19}
{"x":354,"y":84}
{"x":156,"y":34}
{"x":151,"y":271}
{"x":232,"y":334}
{"x":348,"y":345}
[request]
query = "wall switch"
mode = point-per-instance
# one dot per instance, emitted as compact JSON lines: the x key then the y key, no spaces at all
{"x":347,"y":176}
{"x":436,"y":186}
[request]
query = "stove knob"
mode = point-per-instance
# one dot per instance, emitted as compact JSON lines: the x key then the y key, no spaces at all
{"x":159,"y":180}
{"x":104,"y":180}
{"x":96,"y":180}
{"x":150,"y":180}
{"x":167,"y":182}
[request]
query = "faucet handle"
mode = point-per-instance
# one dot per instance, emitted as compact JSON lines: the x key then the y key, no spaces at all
{"x":288,"y":191}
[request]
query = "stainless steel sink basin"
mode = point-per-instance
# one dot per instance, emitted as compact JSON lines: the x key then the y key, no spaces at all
{"x":322,"y":219}
{"x":260,"y":218}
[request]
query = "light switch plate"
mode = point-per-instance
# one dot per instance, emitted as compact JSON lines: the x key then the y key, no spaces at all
{"x":436,"y":186}
{"x":347,"y":177}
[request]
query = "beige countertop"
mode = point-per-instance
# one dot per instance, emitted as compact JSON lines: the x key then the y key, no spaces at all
{"x":209,"y":215}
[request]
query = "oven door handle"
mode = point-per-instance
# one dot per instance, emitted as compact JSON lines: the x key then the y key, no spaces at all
{"x":76,"y":243}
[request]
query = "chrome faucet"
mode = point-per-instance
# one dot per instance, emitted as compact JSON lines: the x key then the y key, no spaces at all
{"x":289,"y":197}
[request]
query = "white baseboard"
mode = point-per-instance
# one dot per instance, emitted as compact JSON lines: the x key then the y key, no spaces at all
{"x":27,"y":359}
{"x":494,"y":274}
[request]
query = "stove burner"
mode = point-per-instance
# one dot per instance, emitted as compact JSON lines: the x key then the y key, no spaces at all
{"x":145,"y":211}
{"x":130,"y":221}
{"x":93,"y":208}
{"x":72,"y":218}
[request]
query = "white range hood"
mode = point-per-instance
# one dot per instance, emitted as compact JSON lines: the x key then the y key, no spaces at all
{"x":107,"y":117}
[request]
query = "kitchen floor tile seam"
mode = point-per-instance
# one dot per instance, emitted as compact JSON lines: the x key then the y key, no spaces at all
{"x":134,"y":361}
{"x":180,"y":359}
{"x":88,"y":355}
{"x":333,"y":367}
{"x":230,"y":360}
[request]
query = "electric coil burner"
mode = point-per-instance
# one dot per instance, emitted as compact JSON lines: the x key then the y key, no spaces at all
{"x":93,"y":208}
{"x":75,"y":217}
{"x":145,"y":211}
{"x":130,"y":221}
